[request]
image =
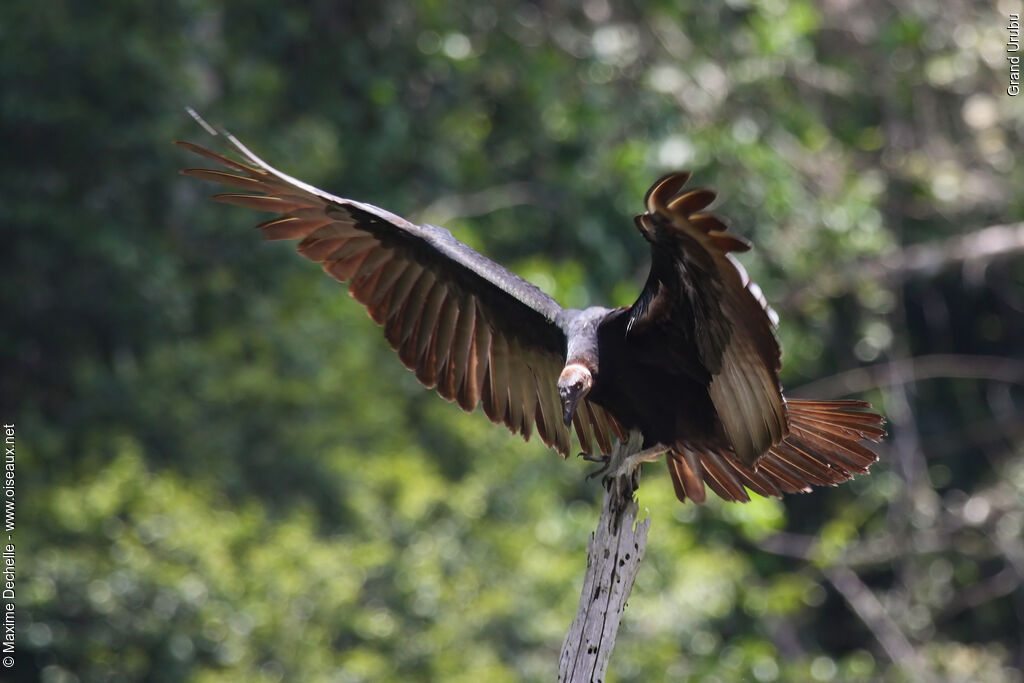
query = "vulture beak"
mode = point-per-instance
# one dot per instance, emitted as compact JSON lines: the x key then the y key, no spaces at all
{"x":569,"y":403}
{"x":573,"y":385}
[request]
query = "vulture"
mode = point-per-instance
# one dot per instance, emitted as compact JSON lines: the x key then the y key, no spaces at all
{"x":692,"y":365}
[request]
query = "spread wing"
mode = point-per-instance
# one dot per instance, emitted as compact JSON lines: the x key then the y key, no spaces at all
{"x":466,"y":326}
{"x":699,"y":297}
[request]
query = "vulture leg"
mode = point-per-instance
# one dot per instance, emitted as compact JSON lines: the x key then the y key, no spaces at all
{"x":622,"y":472}
{"x":624,"y":460}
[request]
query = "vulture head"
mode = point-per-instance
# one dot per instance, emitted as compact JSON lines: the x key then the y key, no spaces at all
{"x":574,"y":384}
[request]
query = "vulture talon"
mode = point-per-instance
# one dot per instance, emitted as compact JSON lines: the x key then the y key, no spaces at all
{"x":603,"y":460}
{"x":600,"y":470}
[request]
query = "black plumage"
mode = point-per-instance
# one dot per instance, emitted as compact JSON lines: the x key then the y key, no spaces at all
{"x":693,"y":364}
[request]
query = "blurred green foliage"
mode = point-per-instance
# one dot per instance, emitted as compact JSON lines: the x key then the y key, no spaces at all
{"x":224,"y":473}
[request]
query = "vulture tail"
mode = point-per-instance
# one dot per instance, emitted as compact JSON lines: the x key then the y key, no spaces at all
{"x":822,"y":448}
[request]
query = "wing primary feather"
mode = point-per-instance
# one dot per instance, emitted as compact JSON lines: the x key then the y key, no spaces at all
{"x":365,"y":283}
{"x":721,"y":492}
{"x":663,"y":190}
{"x":691,"y":202}
{"x":716,"y":467}
{"x":426,"y":326}
{"x":814,"y":471}
{"x":498,"y":379}
{"x":343,"y":269}
{"x":290,"y":227}
{"x":245,"y":182}
{"x":480,"y":359}
{"x":318,"y":249}
{"x":842,"y":428}
{"x":850,"y":454}
{"x":726,"y":242}
{"x":331,"y":229}
{"x":371,"y":265}
{"x":599,"y":428}
{"x":219,"y":158}
{"x":351,"y":247}
{"x":786,"y":476}
{"x":412,"y":307}
{"x":380,"y":297}
{"x":794,"y":466}
{"x":546,"y":418}
{"x":514,"y":407}
{"x":753,"y":480}
{"x":582,"y":433}
{"x":439,"y":353}
{"x":687,"y":482}
{"x":400,"y":292}
{"x":540,"y":419}
{"x":528,"y":397}
{"x":463,"y":358}
{"x":394,"y":328}
{"x":694,"y":483}
{"x":706,"y":223}
{"x":260,"y":202}
{"x":833,"y":472}
{"x":672,"y":460}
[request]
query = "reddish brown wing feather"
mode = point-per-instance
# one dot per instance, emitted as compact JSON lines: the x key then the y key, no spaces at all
{"x":468,"y":328}
{"x":821,"y":449}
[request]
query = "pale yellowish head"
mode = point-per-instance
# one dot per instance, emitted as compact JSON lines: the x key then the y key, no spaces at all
{"x":574,"y":384}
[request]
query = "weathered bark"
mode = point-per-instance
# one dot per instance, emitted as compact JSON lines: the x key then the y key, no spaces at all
{"x":614,"y":554}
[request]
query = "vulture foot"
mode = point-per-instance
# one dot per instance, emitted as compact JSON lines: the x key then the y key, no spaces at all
{"x":603,"y":459}
{"x":621,"y":470}
{"x":628,"y":465}
{"x":623,"y":461}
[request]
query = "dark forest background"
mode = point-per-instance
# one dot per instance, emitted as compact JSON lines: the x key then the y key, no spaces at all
{"x":224,"y":474}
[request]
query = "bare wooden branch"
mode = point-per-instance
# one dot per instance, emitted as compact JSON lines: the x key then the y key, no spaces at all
{"x":614,"y":554}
